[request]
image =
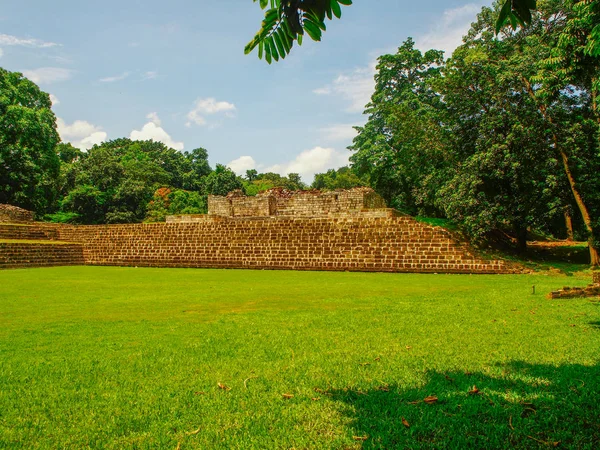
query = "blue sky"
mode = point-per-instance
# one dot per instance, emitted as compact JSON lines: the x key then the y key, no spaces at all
{"x":175,"y":72}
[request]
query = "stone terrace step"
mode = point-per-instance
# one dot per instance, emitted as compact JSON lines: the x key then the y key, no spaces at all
{"x":15,"y":253}
{"x":28,"y":232}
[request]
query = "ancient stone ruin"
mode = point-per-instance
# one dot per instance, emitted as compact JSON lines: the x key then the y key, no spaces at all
{"x":591,"y":290}
{"x":283,"y":203}
{"x":341,"y":230}
{"x":14,"y":214}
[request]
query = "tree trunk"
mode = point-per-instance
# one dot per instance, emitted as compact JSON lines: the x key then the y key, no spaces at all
{"x":594,"y":257}
{"x":585,"y":214}
{"x":569,"y":224}
{"x":521,"y":236}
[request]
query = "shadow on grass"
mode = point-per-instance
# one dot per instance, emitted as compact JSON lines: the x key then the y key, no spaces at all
{"x":569,"y":259}
{"x":523,"y":406}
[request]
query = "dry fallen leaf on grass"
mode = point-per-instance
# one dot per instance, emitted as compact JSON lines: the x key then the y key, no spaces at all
{"x":287,"y":396}
{"x":316,"y":399}
{"x":430,"y":400}
{"x":474,"y":391}
{"x":224,"y":387}
{"x":405,"y":423}
{"x":360,"y":438}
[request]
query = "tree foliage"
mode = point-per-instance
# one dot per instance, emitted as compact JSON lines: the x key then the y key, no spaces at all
{"x":287,"y":21}
{"x":503,"y":135}
{"x":259,"y":182}
{"x":342,"y":178}
{"x":29,"y":163}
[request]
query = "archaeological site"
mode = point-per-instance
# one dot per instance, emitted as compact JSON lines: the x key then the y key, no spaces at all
{"x":344,"y":230}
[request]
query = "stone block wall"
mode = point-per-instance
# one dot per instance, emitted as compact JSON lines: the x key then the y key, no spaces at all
{"x":280,"y":202}
{"x":27,"y":232}
{"x":384,"y":244}
{"x":13,"y":214}
{"x":373,"y":239}
{"x":15,"y":254}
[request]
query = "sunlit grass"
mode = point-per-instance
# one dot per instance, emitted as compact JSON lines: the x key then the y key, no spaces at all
{"x":98,"y":357}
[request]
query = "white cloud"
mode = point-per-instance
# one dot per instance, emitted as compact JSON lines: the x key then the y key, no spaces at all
{"x":115,"y":78}
{"x":93,"y":139}
{"x":80,"y":134}
{"x":6,"y":39}
{"x":243,"y":163}
{"x":208,"y":106}
{"x":338,"y":132}
{"x":150,"y":75}
{"x":1,"y":52}
{"x":47,"y":75}
{"x":448,"y":32}
{"x":153,"y":131}
{"x":309,"y":162}
{"x":54,"y":99}
{"x":356,"y":87}
{"x":154,"y":118}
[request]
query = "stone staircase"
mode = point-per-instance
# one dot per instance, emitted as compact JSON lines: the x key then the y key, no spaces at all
{"x":378,"y":240}
{"x":34,"y":245}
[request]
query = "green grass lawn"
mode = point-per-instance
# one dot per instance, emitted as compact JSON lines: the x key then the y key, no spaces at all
{"x":118,"y":358}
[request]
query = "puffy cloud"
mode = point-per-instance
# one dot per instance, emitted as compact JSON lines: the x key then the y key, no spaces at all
{"x":243,"y":163}
{"x":6,"y":39}
{"x":309,"y":162}
{"x":153,"y":131}
{"x":80,"y":134}
{"x":1,"y":52}
{"x":54,"y":99}
{"x":208,"y":106}
{"x":338,"y":132}
{"x":355,"y":86}
{"x":154,"y":118}
{"x":47,"y":75}
{"x":448,"y":32}
{"x":114,"y":78}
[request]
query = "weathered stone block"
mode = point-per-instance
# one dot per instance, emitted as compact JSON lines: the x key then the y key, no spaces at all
{"x":14,"y":214}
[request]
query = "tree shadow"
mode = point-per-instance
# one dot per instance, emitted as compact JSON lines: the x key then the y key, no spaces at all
{"x":514,"y":405}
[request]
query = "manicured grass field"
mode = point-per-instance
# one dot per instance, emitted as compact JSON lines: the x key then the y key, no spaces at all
{"x":118,"y":358}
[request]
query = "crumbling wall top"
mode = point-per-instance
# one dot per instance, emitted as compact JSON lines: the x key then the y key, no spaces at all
{"x":14,"y":214}
{"x":307,"y":203}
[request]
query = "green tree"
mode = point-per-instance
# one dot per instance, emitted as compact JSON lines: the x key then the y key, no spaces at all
{"x":197,"y":168}
{"x":400,"y":148}
{"x":221,"y":181}
{"x":170,"y":202}
{"x":115,"y":181}
{"x":497,"y":176}
{"x":342,"y":178}
{"x":29,"y":164}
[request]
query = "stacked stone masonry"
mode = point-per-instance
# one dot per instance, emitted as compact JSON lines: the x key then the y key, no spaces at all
{"x":591,"y":290}
{"x":39,"y":254}
{"x":279,"y":202}
{"x":350,"y":232}
{"x":13,"y":214}
{"x":392,"y":244}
